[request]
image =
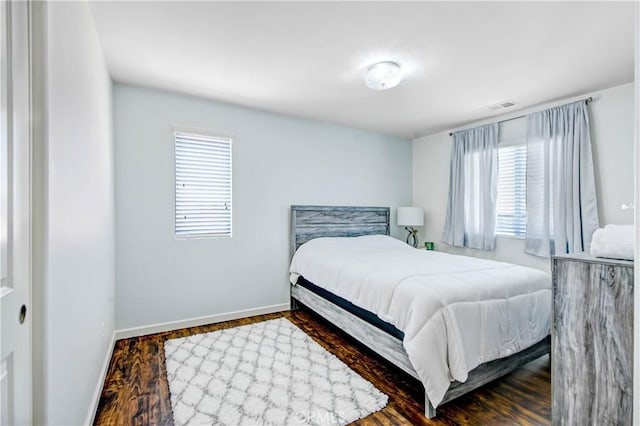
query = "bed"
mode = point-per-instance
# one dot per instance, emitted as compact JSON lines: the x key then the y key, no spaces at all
{"x":400,"y":301}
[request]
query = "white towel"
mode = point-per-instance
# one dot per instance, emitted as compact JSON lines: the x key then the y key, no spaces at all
{"x":614,"y":242}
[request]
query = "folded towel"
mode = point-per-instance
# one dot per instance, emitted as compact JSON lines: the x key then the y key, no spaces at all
{"x":613,"y":242}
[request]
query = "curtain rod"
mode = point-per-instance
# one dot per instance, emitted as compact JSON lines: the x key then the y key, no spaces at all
{"x":586,"y":101}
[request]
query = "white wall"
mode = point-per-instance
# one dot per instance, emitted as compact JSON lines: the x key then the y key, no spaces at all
{"x":277,"y":161}
{"x":73,"y":194}
{"x":612,"y":118}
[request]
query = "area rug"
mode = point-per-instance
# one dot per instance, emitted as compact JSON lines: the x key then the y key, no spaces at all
{"x":267,"y":373}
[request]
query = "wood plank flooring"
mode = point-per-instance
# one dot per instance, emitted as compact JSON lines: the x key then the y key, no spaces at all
{"x":136,"y":391}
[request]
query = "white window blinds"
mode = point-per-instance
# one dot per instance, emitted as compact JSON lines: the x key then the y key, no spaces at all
{"x":511,"y":207}
{"x":203,"y":186}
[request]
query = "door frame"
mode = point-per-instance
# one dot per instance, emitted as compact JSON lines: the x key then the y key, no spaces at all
{"x":38,"y":29}
{"x":16,"y":38}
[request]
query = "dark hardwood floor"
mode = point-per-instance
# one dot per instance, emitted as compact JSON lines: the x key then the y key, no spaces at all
{"x":136,"y":391}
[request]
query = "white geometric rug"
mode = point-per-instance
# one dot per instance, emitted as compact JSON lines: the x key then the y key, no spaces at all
{"x":268,"y":373}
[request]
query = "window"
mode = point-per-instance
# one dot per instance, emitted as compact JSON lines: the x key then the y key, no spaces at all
{"x":511,"y":207}
{"x":203,"y":186}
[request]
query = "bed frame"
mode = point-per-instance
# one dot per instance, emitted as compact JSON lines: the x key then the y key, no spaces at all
{"x":308,"y":222}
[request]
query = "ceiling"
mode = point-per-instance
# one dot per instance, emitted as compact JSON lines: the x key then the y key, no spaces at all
{"x":307,"y":59}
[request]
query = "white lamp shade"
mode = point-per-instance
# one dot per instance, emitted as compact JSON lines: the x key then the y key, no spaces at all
{"x":410,"y":216}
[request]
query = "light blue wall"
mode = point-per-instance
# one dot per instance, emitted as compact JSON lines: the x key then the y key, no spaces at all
{"x":277,"y":161}
{"x":73,"y":213}
{"x":611,"y":119}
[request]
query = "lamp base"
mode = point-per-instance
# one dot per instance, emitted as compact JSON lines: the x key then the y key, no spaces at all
{"x":412,"y":238}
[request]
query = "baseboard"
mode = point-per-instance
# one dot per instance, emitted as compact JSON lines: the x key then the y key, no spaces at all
{"x":95,"y":400}
{"x":194,"y":322}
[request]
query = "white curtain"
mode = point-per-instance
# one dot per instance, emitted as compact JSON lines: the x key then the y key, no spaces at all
{"x":473,"y":177}
{"x":561,"y":196}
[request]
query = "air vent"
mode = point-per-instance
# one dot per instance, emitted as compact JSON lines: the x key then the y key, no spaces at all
{"x":500,"y":105}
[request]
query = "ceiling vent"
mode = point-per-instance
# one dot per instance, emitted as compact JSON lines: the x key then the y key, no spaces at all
{"x":501,"y":105}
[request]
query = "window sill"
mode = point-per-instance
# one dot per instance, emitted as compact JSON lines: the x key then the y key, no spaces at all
{"x":201,"y":237}
{"x":510,"y":237}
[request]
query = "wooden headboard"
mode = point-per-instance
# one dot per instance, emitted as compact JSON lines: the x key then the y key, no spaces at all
{"x":309,"y":222}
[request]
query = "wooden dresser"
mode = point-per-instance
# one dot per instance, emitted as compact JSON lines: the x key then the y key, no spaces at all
{"x":592,"y":341}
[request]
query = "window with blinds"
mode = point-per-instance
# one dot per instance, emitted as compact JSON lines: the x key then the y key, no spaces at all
{"x":203,"y":186}
{"x":511,"y":208}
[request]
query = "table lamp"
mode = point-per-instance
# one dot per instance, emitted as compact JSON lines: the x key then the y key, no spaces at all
{"x":410,"y":217}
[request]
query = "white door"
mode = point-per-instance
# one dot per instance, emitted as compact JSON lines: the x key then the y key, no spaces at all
{"x":15,"y":217}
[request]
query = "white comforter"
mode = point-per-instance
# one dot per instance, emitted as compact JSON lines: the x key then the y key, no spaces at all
{"x":456,"y":312}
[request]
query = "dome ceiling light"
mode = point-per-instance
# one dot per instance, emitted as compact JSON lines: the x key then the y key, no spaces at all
{"x":383,"y":75}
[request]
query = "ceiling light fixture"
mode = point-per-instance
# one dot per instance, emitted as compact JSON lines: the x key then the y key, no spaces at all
{"x":383,"y":75}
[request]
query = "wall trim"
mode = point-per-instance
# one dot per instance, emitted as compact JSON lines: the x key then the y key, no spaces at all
{"x":95,"y":400}
{"x":168,"y":326}
{"x":194,"y":322}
